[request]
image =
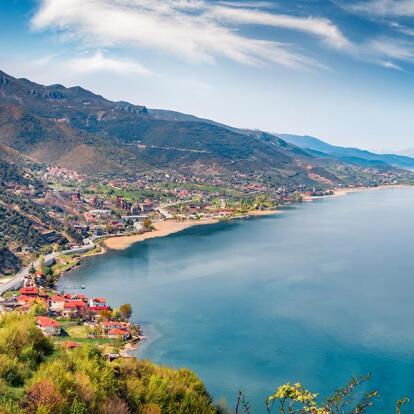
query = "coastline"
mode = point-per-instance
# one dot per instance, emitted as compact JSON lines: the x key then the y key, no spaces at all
{"x":171,"y":226}
{"x":339,"y":192}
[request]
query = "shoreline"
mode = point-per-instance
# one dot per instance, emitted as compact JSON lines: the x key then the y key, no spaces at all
{"x":172,"y":226}
{"x":339,"y":192}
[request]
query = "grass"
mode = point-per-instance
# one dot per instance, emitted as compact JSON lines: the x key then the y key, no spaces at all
{"x":9,"y":294}
{"x":96,"y":250}
{"x":77,"y":331}
{"x":64,"y":263}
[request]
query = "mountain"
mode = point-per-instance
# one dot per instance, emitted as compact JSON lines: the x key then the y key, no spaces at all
{"x":408,"y":152}
{"x":350,"y":155}
{"x":77,"y":129}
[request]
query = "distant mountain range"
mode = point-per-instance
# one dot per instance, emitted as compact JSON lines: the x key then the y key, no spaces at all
{"x":350,"y":155}
{"x":77,"y":129}
{"x":408,"y":152}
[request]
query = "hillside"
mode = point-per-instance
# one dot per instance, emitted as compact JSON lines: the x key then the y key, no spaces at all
{"x":74,"y":128}
{"x":22,"y":221}
{"x":350,"y":155}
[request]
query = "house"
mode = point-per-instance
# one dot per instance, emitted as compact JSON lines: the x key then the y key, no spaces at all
{"x":97,"y":302}
{"x":98,"y":309}
{"x":74,"y":309}
{"x":48,"y":326}
{"x":147,"y":206}
{"x":29,"y":300}
{"x":79,"y":296}
{"x":118,"y":334}
{"x":109,"y":325}
{"x":118,"y":201}
{"x":56,"y":303}
{"x":29,"y":291}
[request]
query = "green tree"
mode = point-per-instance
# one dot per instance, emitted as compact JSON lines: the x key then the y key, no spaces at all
{"x":125,"y":310}
{"x":42,"y":266}
{"x":147,"y":223}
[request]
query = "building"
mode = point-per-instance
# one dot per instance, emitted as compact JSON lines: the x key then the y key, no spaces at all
{"x":110,"y":325}
{"x":57,"y":303}
{"x":97,"y":302}
{"x":48,"y":326}
{"x":74,"y":309}
{"x":118,"y":201}
{"x":147,"y":206}
{"x":118,"y":334}
{"x":29,"y":291}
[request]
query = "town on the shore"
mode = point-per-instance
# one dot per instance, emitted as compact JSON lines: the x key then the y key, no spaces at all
{"x":83,"y":212}
{"x":73,"y":319}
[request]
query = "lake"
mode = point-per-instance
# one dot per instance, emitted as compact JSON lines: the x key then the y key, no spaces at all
{"x":317,"y":294}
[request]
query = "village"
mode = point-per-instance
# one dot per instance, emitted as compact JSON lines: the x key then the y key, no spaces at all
{"x":74,"y":319}
{"x":80,"y":210}
{"x":90,"y":210}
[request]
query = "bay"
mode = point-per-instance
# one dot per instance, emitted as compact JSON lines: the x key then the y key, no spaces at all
{"x":317,"y":294}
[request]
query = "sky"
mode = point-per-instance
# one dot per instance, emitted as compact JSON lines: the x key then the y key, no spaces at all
{"x":340,"y":70}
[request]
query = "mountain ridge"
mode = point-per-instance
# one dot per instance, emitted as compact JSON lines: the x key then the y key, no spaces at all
{"x":77,"y":129}
{"x":349,"y":154}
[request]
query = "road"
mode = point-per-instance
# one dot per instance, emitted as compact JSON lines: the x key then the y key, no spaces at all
{"x":16,"y":281}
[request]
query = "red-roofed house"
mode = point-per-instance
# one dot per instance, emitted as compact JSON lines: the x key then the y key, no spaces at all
{"x":23,"y":299}
{"x":48,"y":326}
{"x":29,"y":291}
{"x":97,"y":309}
{"x":118,"y":334}
{"x":95,"y":302}
{"x":108,"y":325}
{"x":74,"y":308}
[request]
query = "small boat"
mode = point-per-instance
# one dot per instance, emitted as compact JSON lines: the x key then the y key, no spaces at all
{"x":83,"y":287}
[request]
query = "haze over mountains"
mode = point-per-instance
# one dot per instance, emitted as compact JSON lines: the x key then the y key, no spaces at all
{"x":77,"y":129}
{"x":351,"y":155}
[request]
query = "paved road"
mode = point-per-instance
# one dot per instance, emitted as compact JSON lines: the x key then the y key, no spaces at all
{"x":17,"y":280}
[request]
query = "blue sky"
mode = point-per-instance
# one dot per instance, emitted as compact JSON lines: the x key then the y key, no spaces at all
{"x":341,"y":70}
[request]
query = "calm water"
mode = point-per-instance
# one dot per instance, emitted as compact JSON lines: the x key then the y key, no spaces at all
{"x":317,"y":294}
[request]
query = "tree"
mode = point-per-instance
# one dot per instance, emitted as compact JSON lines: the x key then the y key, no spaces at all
{"x":147,"y":223}
{"x":44,"y":396}
{"x":42,"y":266}
{"x":125,"y":310}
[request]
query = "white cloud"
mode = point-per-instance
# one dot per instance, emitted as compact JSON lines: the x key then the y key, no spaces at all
{"x":390,"y":65}
{"x":384,"y":7}
{"x":192,"y":29}
{"x":99,"y":62}
{"x":201,"y":31}
{"x":322,"y":28}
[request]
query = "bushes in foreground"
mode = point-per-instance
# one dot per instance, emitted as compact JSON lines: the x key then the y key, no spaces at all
{"x":36,"y":378}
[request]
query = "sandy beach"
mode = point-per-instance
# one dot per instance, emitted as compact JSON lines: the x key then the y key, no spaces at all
{"x":344,"y":191}
{"x":162,"y":229}
{"x":167,"y":227}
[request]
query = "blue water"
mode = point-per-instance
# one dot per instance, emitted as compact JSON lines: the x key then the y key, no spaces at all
{"x":317,"y":294}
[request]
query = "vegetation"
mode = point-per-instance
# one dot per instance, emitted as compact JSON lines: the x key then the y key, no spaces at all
{"x":295,"y":399}
{"x":38,"y":377}
{"x":125,"y":311}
